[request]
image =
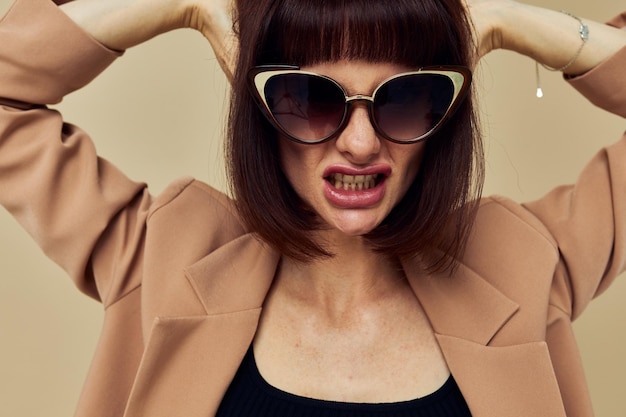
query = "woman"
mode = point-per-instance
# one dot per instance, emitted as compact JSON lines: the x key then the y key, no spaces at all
{"x":370,"y":278}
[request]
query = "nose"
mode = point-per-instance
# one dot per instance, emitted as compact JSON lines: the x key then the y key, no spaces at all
{"x":358,"y":140}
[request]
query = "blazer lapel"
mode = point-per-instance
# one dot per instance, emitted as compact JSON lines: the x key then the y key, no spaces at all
{"x":505,"y":381}
{"x":497,"y":379}
{"x":189,"y":361}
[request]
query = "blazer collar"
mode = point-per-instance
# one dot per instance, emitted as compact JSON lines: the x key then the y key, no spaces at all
{"x":497,"y":378}
{"x":235,"y":277}
{"x":189,"y":362}
{"x":463,"y":305}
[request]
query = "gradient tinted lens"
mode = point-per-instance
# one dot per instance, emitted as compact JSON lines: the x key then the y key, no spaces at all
{"x":410,"y":106}
{"x":306,"y":106}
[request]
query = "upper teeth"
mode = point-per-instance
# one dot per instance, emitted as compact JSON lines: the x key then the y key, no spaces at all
{"x":353,"y":182}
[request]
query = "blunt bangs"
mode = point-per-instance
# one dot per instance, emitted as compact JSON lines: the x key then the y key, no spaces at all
{"x":412,"y":33}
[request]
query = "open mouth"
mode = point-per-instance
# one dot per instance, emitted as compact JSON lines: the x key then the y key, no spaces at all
{"x":354,"y":182}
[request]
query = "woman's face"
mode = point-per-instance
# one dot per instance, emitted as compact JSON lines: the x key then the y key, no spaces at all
{"x":354,"y":180}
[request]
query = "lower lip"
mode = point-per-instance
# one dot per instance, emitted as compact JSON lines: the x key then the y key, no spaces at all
{"x":354,"y":199}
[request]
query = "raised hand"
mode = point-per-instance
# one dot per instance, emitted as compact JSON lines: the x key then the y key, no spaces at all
{"x":121,"y":24}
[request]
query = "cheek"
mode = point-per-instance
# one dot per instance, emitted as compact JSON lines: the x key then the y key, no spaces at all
{"x":412,"y":161}
{"x":289,"y":160}
{"x":298,"y":162}
{"x":416,"y":163}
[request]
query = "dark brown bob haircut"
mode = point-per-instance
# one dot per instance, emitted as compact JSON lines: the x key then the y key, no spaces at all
{"x":434,"y":218}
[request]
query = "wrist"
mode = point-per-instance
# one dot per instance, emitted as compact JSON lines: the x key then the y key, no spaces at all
{"x":554,"y":39}
{"x":211,"y":18}
{"x":214,"y":19}
{"x":490,"y":22}
{"x":504,"y":18}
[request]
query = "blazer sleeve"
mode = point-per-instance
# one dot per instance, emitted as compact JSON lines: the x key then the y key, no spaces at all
{"x":51,"y":179}
{"x":588,"y":219}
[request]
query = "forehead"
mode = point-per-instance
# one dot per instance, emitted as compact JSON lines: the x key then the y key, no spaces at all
{"x":357,"y":76}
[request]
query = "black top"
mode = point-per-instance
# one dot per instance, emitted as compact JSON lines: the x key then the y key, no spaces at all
{"x":250,"y":395}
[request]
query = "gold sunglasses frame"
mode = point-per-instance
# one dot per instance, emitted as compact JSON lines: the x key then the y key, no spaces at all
{"x":258,"y":77}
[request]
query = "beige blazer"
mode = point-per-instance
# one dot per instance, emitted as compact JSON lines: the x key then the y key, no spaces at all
{"x":183,"y":283}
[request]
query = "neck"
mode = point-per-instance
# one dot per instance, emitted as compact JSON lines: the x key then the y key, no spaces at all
{"x":354,"y":276}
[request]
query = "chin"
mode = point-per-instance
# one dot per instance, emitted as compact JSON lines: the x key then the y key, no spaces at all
{"x":355,"y":229}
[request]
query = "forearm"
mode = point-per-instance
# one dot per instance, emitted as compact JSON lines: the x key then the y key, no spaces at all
{"x":551,"y":37}
{"x":120,"y":24}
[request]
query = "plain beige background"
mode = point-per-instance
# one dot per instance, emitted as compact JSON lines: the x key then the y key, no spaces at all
{"x":171,"y":92}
